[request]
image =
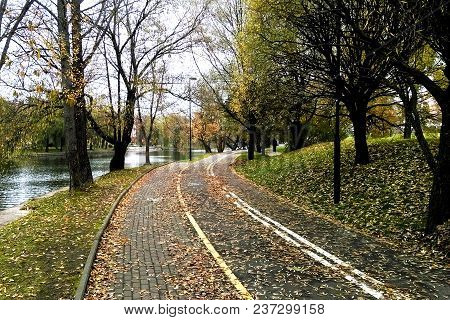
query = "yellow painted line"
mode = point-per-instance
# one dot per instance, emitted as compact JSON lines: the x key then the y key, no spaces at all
{"x":222,"y":264}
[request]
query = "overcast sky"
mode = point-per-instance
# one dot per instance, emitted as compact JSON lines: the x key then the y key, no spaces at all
{"x":179,"y":65}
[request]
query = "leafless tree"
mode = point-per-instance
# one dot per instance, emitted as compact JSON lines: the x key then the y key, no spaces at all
{"x":149,"y":108}
{"x":11,"y":18}
{"x":138,"y":38}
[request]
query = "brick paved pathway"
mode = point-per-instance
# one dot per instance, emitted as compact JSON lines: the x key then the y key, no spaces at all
{"x":146,"y":253}
{"x":280,"y":251}
{"x":276,"y":250}
{"x":149,"y":249}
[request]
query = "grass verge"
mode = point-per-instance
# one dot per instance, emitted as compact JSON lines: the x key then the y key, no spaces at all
{"x":388,"y":197}
{"x":42,"y":255}
{"x":199,"y":157}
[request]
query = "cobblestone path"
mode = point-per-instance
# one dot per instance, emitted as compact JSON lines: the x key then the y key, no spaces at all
{"x":275,"y":249}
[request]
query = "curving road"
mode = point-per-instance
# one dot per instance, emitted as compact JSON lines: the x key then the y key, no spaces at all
{"x":280,"y":252}
{"x":196,"y":231}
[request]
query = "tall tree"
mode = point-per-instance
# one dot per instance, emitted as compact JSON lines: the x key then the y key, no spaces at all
{"x":362,"y":73}
{"x":56,"y":46}
{"x":417,"y":22}
{"x":272,"y":45}
{"x":148,"y":109}
{"x":139,"y":38}
{"x":11,"y":17}
{"x":211,"y":124}
{"x":220,"y":48}
{"x":73,"y":63}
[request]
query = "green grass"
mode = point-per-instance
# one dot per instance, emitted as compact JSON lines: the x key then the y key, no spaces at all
{"x":388,"y":197}
{"x":42,"y":255}
{"x":203,"y":156}
{"x":199,"y":157}
{"x":282,"y":149}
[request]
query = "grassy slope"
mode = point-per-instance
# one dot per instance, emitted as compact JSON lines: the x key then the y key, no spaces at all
{"x":387,"y":197}
{"x":42,"y":255}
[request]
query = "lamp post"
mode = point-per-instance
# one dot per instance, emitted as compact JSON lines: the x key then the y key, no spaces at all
{"x":337,"y":137}
{"x":190,"y":118}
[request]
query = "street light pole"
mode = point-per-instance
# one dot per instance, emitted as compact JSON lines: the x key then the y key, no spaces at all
{"x":190,"y":117}
{"x":337,"y":129}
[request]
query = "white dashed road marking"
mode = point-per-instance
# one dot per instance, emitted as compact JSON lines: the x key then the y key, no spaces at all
{"x":314,"y":251}
{"x":364,"y":281}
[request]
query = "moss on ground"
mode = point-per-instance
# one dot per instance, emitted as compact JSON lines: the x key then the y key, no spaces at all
{"x":388,"y":197}
{"x":42,"y":255}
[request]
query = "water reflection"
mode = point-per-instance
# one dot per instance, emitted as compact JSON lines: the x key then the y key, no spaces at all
{"x":36,"y":176}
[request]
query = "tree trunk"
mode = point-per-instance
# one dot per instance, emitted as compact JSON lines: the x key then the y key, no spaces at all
{"x":407,"y":133}
{"x":258,"y":141}
{"x":73,"y":93}
{"x":120,"y":147}
{"x":147,"y":150}
{"x":232,"y":144}
{"x":118,"y":160}
{"x":236,"y":143}
{"x":359,"y":121}
{"x":77,"y":154}
{"x":207,"y":147}
{"x":84,"y":165}
{"x":47,"y":143}
{"x":61,"y":144}
{"x":409,"y":104}
{"x":263,"y":143}
{"x":439,"y":208}
{"x":251,"y":142}
{"x":297,"y":135}
{"x":361,"y":148}
{"x":337,"y":155}
{"x":221,"y":144}
{"x":418,"y":131}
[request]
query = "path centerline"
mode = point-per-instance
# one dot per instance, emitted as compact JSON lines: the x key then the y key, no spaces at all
{"x":220,"y":261}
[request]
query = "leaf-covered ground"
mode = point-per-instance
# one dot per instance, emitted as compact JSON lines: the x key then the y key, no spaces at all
{"x":388,"y":197}
{"x":42,"y":255}
{"x":151,"y":251}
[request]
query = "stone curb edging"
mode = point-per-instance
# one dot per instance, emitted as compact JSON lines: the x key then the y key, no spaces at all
{"x":83,"y":284}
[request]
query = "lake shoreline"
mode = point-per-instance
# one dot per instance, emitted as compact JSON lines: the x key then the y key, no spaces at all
{"x":91,"y":153}
{"x":41,"y":174}
{"x":14,"y":213}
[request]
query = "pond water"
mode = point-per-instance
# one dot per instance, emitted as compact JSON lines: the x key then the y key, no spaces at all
{"x":38,"y":175}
